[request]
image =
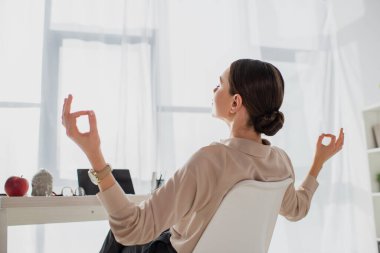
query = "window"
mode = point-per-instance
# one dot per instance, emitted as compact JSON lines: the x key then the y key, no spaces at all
{"x":61,"y":47}
{"x":86,"y":54}
{"x":20,"y":87}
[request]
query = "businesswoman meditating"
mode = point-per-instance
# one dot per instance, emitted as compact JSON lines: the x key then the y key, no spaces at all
{"x":248,"y":99}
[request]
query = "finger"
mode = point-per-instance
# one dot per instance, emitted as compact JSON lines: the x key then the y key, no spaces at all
{"x":341,"y":132}
{"x":332,"y":137}
{"x":63,"y":111}
{"x":319,"y":142}
{"x":341,"y":137}
{"x":67,"y":109}
{"x":93,"y":123}
{"x":342,"y":140}
{"x":332,"y":142}
{"x":64,"y":104}
{"x":79,"y":113}
{"x":68,"y":104}
{"x":71,"y":127}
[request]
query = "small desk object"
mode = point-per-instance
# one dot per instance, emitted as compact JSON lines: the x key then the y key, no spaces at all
{"x":16,"y":211}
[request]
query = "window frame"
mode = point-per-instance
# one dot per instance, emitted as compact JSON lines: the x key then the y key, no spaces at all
{"x":53,"y":37}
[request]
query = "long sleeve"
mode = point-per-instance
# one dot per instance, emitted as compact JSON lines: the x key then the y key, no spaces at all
{"x":296,"y":202}
{"x":188,"y":201}
{"x":138,"y":224}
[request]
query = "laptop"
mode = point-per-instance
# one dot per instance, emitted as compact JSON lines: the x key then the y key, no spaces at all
{"x":122,"y":176}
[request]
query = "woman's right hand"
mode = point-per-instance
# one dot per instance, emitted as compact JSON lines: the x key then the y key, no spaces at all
{"x":89,"y":142}
{"x":323,"y":153}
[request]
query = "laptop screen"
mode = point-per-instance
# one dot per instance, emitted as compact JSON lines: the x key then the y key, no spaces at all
{"x":122,"y":176}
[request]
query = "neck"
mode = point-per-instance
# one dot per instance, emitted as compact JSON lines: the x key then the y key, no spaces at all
{"x":239,"y":131}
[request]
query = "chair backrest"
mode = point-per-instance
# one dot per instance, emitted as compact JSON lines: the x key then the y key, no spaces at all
{"x":245,"y":219}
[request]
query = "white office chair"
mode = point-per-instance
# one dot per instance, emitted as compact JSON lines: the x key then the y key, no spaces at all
{"x":245,"y":220}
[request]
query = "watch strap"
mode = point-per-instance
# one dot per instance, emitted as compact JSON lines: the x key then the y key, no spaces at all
{"x":100,"y":175}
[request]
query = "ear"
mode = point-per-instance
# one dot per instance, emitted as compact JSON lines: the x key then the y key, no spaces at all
{"x":237,"y":103}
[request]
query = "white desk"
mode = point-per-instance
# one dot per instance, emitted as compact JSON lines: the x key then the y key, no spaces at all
{"x":43,"y":210}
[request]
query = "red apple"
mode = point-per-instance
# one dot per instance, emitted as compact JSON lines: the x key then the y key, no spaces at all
{"x":16,"y":186}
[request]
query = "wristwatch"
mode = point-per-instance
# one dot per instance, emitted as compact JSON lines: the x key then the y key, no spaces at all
{"x":97,"y":176}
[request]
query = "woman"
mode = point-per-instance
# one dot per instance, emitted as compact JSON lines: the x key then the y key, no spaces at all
{"x":248,"y":99}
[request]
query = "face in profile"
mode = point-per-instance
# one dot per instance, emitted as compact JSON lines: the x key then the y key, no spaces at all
{"x":222,"y":97}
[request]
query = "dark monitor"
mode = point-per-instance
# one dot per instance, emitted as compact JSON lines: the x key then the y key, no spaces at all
{"x":122,"y":176}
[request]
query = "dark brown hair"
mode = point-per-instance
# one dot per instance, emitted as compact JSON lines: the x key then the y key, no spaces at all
{"x":261,"y":86}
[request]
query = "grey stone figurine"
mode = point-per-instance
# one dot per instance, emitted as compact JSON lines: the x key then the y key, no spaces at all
{"x":42,"y":183}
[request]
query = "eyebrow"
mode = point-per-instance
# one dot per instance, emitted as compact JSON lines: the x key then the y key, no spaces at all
{"x":220,"y":78}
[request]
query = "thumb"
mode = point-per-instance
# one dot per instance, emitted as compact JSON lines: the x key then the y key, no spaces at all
{"x":92,"y":122}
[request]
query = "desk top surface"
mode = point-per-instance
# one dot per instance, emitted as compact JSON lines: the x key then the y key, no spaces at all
{"x":57,"y":201}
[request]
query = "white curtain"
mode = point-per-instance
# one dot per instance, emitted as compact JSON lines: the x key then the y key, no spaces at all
{"x":111,"y":73}
{"x":322,"y":93}
{"x":102,"y":52}
{"x":147,"y":68}
{"x":341,"y":218}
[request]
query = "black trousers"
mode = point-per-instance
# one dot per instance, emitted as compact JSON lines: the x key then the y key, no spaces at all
{"x":160,"y":245}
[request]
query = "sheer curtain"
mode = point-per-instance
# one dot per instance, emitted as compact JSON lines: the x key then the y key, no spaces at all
{"x":322,"y":93}
{"x":107,"y":64}
{"x":147,"y":68}
{"x":329,"y":74}
{"x":102,"y":52}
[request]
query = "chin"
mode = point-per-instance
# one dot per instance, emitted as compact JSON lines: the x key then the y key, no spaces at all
{"x":213,"y":113}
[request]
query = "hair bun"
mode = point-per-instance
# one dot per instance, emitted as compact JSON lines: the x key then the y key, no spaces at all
{"x":269,"y":124}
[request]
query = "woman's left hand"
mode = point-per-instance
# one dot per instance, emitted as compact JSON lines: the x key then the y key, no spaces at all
{"x":323,"y":153}
{"x":89,"y":142}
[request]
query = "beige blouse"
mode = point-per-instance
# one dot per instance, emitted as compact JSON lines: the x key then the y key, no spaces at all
{"x":189,"y":199}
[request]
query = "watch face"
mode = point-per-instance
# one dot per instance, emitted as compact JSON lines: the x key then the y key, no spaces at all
{"x":93,"y":178}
